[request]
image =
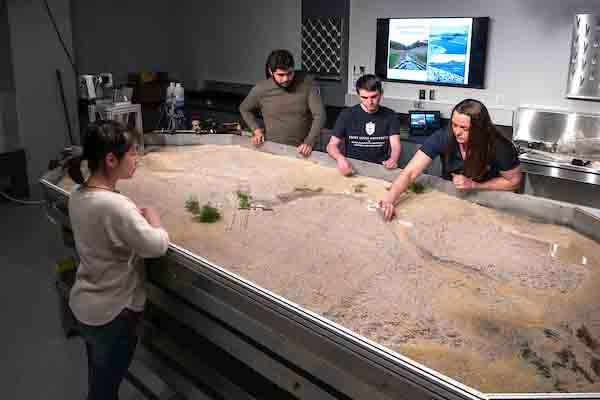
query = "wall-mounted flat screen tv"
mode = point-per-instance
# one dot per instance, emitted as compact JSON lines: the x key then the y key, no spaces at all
{"x":436,"y":51}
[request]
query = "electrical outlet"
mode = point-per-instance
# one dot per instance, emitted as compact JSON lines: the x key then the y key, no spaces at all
{"x":499,"y":99}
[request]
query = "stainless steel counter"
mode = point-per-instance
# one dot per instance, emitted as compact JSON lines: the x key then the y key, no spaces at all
{"x":561,"y":170}
{"x":550,"y":142}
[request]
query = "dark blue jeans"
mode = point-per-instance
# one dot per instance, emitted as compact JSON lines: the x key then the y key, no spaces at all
{"x":110,"y":350}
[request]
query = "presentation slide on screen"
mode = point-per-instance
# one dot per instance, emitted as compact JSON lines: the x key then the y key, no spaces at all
{"x":422,"y":121}
{"x":430,"y":50}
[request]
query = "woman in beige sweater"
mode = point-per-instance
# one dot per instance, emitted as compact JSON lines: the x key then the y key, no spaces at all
{"x":111,"y":236}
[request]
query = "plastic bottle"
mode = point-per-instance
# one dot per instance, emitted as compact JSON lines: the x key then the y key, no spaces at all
{"x":170,"y":92}
{"x":179,"y":96}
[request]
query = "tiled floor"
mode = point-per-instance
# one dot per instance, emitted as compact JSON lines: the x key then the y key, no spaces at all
{"x":37,"y":361}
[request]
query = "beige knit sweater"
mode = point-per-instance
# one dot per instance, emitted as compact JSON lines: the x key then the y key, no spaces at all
{"x":110,"y":236}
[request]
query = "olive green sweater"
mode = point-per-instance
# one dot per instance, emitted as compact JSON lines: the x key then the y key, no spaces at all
{"x":293,"y":116}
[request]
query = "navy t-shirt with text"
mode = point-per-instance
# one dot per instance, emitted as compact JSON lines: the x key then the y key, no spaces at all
{"x":366,"y":135}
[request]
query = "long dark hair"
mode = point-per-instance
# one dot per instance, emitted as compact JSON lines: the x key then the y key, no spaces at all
{"x":101,"y":139}
{"x":483,"y":135}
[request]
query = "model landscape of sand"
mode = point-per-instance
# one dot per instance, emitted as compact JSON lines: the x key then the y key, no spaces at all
{"x":495,"y":301}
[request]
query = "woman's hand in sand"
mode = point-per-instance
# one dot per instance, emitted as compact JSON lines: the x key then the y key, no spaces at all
{"x":387,"y":208}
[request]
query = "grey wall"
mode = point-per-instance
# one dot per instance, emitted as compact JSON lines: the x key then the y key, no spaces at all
{"x":238,"y":37}
{"x":9,"y":136}
{"x":36,"y":54}
{"x":6,"y":70}
{"x":193,"y":40}
{"x":234,"y":38}
{"x":528,"y":51}
{"x":128,"y":36}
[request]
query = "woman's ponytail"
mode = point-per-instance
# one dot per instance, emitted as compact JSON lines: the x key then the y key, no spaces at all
{"x":74,"y":169}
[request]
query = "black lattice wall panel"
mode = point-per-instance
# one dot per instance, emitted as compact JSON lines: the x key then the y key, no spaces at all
{"x":322,"y":47}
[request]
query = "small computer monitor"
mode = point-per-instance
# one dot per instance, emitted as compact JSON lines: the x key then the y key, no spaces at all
{"x":423,"y":122}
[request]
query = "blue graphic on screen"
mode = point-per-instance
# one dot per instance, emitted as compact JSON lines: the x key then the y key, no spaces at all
{"x":423,"y":121}
{"x":430,"y":50}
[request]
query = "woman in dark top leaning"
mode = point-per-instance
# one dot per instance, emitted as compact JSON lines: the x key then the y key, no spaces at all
{"x":475,"y":156}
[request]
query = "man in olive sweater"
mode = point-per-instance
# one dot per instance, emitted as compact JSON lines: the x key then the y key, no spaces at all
{"x":290,"y":104}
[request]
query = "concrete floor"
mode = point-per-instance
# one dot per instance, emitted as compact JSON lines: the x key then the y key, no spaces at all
{"x":37,"y":361}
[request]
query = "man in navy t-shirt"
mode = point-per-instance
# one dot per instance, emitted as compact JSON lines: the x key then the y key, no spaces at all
{"x":370,"y":132}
